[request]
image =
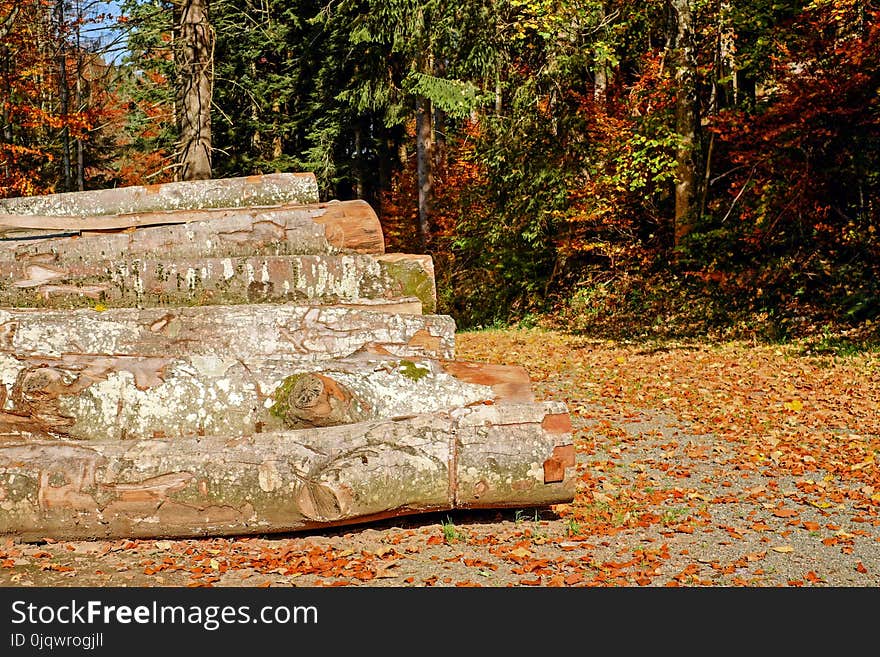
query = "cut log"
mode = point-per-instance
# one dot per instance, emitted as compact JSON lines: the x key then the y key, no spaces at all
{"x":268,"y":189}
{"x":91,"y":397}
{"x":334,"y":227}
{"x":274,"y":482}
{"x":239,"y":333}
{"x":147,"y":282}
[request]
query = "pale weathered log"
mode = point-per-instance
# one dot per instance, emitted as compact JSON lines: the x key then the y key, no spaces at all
{"x":268,"y":189}
{"x":97,"y":397}
{"x":243,"y":333}
{"x":160,"y":281}
{"x":476,"y":457}
{"x":333,"y":227}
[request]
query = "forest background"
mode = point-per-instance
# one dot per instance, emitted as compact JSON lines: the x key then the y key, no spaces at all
{"x":664,"y":168}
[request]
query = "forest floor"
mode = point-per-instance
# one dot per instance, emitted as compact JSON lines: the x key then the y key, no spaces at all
{"x":700,"y":464}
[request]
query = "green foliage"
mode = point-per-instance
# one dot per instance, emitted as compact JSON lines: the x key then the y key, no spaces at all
{"x":455,"y":97}
{"x":451,"y":533}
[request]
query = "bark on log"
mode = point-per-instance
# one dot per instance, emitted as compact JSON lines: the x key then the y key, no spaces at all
{"x":123,"y":397}
{"x":149,"y":281}
{"x":246,"y":333}
{"x":476,"y":457}
{"x":334,"y":227}
{"x":268,"y":189}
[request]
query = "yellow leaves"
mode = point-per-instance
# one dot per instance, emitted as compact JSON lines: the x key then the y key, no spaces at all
{"x":784,"y":549}
{"x":520,"y":553}
{"x":796,"y":405}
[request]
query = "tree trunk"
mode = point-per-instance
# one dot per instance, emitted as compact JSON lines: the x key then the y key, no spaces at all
{"x":686,"y":121}
{"x":249,"y":333}
{"x":63,"y":96}
{"x":269,"y":189}
{"x":600,"y":68}
{"x":80,"y":104}
{"x":273,"y":482}
{"x":195,"y":65}
{"x":137,"y":281}
{"x":334,"y":227}
{"x":104,"y":397}
{"x":425,"y":166}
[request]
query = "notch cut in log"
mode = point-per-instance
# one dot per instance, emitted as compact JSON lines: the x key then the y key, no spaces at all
{"x":334,"y":227}
{"x":282,"y":481}
{"x":150,"y":281}
{"x":268,"y":189}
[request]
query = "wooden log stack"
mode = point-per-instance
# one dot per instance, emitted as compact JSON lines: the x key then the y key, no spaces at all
{"x":233,"y":357}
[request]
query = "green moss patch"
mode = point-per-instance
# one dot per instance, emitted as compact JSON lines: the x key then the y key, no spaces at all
{"x":412,"y":371}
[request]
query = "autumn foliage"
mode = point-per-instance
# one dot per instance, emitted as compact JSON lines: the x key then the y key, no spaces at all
{"x":558,"y":152}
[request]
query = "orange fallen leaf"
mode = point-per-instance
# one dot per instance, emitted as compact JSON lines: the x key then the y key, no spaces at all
{"x":573,"y":579}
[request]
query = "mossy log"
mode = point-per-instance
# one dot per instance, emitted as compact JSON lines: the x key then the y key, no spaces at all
{"x":91,"y":397}
{"x":474,"y":457}
{"x":268,"y":189}
{"x":163,"y":281}
{"x":247,"y":333}
{"x":333,"y":227}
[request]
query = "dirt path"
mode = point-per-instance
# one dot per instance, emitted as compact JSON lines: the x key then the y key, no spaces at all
{"x":701,"y":465}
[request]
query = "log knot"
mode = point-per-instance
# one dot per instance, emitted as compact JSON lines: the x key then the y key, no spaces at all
{"x":315,"y":400}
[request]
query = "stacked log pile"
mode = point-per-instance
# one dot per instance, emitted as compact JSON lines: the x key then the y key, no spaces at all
{"x":234,"y":357}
